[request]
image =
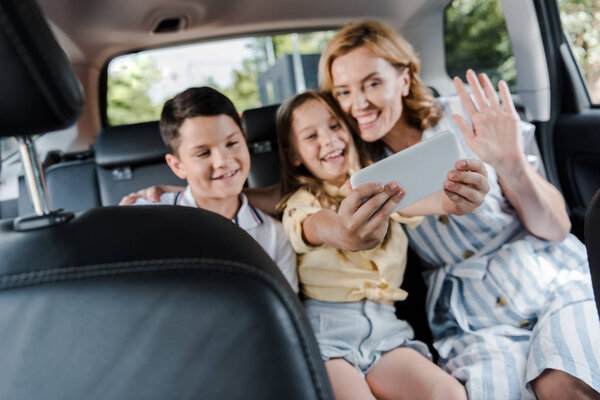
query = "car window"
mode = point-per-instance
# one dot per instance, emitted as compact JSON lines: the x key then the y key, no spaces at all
{"x":251,"y":71}
{"x":8,"y":147}
{"x":476,"y":37}
{"x":581,"y":22}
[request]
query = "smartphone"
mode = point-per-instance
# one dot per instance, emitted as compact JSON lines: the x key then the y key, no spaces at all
{"x":420,"y":169}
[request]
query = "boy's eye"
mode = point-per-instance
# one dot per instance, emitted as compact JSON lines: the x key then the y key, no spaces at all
{"x":233,"y":143}
{"x":203,"y":154}
{"x":335,"y":126}
{"x":311,"y":136}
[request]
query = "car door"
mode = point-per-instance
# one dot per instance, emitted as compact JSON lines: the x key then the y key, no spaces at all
{"x":571,"y":138}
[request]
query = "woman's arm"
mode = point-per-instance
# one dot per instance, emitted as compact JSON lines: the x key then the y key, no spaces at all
{"x":266,"y":198}
{"x":151,"y":193}
{"x":496,"y":138}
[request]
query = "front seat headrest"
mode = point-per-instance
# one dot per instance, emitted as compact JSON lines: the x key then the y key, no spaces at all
{"x":40,"y":92}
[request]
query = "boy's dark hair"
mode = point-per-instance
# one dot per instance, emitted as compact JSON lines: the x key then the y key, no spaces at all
{"x":193,"y":102}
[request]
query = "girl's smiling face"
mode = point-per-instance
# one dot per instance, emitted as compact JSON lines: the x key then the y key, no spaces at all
{"x":321,"y":143}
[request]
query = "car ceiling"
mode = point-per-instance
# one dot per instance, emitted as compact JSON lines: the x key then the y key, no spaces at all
{"x":93,"y":31}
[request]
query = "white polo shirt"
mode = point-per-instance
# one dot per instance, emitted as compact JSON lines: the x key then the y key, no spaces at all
{"x":267,"y":231}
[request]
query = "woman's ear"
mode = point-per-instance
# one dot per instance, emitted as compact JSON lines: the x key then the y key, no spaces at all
{"x":176,"y":165}
{"x":406,"y":81}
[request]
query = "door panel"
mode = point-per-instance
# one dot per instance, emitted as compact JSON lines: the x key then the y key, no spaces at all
{"x":577,"y":148}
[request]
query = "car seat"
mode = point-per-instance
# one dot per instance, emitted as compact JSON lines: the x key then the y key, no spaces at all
{"x":131,"y":302}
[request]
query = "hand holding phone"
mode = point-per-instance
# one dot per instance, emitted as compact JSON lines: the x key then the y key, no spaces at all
{"x":420,"y":169}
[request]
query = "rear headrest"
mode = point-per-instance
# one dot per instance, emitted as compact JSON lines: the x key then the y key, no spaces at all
{"x":259,"y":124}
{"x":130,"y":145}
{"x":40,"y":92}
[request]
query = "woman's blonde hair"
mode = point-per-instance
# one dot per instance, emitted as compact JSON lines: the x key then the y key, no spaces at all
{"x":294,"y":177}
{"x":423,"y":111}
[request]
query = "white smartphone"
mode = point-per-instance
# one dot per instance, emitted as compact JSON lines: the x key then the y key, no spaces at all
{"x":420,"y":169}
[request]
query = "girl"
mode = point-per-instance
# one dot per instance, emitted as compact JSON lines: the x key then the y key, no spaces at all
{"x":368,"y":352}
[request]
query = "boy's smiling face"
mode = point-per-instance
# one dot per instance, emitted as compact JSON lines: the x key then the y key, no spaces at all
{"x":212,"y":156}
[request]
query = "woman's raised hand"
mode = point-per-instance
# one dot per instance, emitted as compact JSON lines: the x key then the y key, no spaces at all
{"x":495,"y":134}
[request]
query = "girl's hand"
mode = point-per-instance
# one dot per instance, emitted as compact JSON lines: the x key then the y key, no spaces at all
{"x":465,"y":188}
{"x":362,"y":225}
{"x":495,"y":134}
{"x":151,"y":193}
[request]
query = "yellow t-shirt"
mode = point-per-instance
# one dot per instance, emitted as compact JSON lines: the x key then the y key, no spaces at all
{"x":329,"y":274}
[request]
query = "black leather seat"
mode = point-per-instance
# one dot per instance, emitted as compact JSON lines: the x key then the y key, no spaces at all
{"x":133,"y":302}
{"x":261,"y":136}
{"x":592,"y":242}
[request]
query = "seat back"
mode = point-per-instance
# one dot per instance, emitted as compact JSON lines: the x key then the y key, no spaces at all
{"x":129,"y":158}
{"x":261,"y":135}
{"x":592,"y":242}
{"x":133,"y":302}
{"x":123,"y":304}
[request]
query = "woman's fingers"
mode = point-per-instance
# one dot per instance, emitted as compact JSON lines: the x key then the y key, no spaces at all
{"x":464,"y":96}
{"x":473,"y":82}
{"x":464,"y":127}
{"x":129,"y":199}
{"x":507,"y":102}
{"x":458,"y":192}
{"x":489,"y":90}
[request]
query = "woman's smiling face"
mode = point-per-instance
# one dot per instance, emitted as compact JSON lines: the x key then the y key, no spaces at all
{"x":370,"y":89}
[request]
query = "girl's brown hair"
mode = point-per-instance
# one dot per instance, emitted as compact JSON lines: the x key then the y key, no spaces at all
{"x":295,"y":177}
{"x":422,"y":110}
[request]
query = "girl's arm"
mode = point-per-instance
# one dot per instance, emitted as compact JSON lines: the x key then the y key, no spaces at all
{"x":496,"y":138}
{"x":357,"y":225}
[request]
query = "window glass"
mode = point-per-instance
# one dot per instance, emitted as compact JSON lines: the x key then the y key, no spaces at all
{"x":581,"y":21}
{"x":251,"y":71}
{"x":476,"y":37}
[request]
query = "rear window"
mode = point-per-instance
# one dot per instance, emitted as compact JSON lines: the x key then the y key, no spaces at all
{"x":251,"y":71}
{"x":475,"y":36}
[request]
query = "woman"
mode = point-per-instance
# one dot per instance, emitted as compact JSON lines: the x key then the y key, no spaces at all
{"x":510,"y":301}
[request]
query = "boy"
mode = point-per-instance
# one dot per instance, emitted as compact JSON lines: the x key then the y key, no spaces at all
{"x":203,"y":134}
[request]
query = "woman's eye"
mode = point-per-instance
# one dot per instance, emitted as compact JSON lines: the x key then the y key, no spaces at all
{"x":311,"y":136}
{"x":230,"y":144}
{"x":342,"y":93}
{"x":374,"y":83}
{"x":335,"y":127}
